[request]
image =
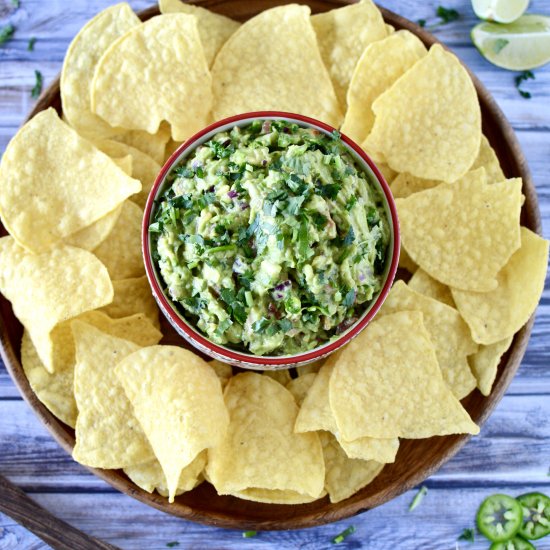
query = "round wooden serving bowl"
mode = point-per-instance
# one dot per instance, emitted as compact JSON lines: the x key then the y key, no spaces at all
{"x":416,"y":459}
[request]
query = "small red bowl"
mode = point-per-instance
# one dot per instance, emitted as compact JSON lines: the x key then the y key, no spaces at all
{"x":226,"y":354}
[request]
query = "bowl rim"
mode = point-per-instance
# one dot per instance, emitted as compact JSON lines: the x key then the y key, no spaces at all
{"x":194,"y":336}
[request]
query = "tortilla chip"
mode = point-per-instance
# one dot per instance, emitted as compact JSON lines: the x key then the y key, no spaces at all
{"x":82,"y":57}
{"x":299,"y":387}
{"x":214,"y":29}
{"x":315,"y":366}
{"x":422,"y":283}
{"x":275,"y":496}
{"x":177,"y":89}
{"x":132,"y":296}
{"x":379,"y":66}
{"x":46,"y":289}
{"x":449,"y":334}
{"x":144,"y":168}
{"x":261,"y":436}
{"x":495,"y":315}
{"x":153,"y":145}
{"x":125,"y":164}
{"x":387,"y":172}
{"x":273,"y":62}
{"x":150,"y":477}
{"x":405,"y":185}
{"x":53,"y":183}
{"x":171,"y":147}
{"x":487,"y":158}
{"x":387,"y":383}
{"x":92,"y":236}
{"x":345,"y":476}
{"x":281,"y":375}
{"x":174,"y":392}
{"x":429,"y":122}
{"x":223,"y":371}
{"x":485,"y":362}
{"x":120,"y":252}
{"x":107,"y":433}
{"x":463,"y":234}
{"x":316,"y":414}
{"x":343,"y":34}
{"x":406,"y":262}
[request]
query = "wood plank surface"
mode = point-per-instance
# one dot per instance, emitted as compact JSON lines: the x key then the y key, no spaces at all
{"x":512,"y":454}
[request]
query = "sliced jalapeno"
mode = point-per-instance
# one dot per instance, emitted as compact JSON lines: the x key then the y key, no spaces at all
{"x":517,"y":543}
{"x":499,"y":517}
{"x":536,"y":515}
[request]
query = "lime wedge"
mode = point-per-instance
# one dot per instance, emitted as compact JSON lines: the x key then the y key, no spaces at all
{"x":518,"y":46}
{"x":501,"y":11}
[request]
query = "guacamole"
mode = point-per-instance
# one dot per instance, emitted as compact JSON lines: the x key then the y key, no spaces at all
{"x":271,"y":238}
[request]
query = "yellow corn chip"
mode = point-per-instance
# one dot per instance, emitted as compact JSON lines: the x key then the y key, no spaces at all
{"x":463,"y":234}
{"x":387,"y":172}
{"x":311,"y":367}
{"x":299,"y":387}
{"x":379,"y":66}
{"x":485,"y":363}
{"x":387,"y":383}
{"x":449,"y":333}
{"x":120,"y":252}
{"x":46,"y":289}
{"x":429,"y":122}
{"x":273,"y":62}
{"x":422,"y":283}
{"x":177,"y":89}
{"x":316,"y":414}
{"x":125,"y":164}
{"x":223,"y":371}
{"x":282,"y":376}
{"x":178,"y":401}
{"x":92,"y":236}
{"x":214,"y":29}
{"x":405,"y":185}
{"x":406,"y":262}
{"x":53,"y":183}
{"x":153,"y":145}
{"x":133,"y":296}
{"x":149,"y":476}
{"x":275,"y":496}
{"x":107,"y":433}
{"x":495,"y":315}
{"x":487,"y":158}
{"x":82,"y":57}
{"x":144,"y":168}
{"x":56,"y":390}
{"x":345,"y":476}
{"x":261,"y":436}
{"x":171,"y":147}
{"x":343,"y":34}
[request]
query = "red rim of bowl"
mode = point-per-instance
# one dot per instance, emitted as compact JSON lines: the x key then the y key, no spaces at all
{"x":233,"y":355}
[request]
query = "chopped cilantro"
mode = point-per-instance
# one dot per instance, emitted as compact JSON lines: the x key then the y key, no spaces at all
{"x":30,"y":45}
{"x":349,"y":298}
{"x":421,"y":23}
{"x":525,"y":75}
{"x":329,"y":190}
{"x":6,"y":33}
{"x":343,"y":535}
{"x":447,"y":15}
{"x":499,"y":44}
{"x":221,"y":150}
{"x":37,"y":90}
{"x":249,"y":534}
{"x":285,"y":324}
{"x":422,"y":492}
{"x":183,"y":172}
{"x":351,"y":202}
{"x":467,"y":535}
{"x":318,"y":219}
{"x":172,"y":544}
{"x":199,"y":172}
{"x":303,"y":239}
{"x":350,"y":237}
{"x":260,"y":325}
{"x":336,"y":134}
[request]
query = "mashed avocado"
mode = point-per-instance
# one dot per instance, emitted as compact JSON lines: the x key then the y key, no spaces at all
{"x":271,"y":238}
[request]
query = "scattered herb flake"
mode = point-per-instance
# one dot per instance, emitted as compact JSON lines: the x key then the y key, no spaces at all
{"x":422,"y":492}
{"x":37,"y":90}
{"x":342,"y":536}
{"x":525,"y":75}
{"x":6,"y":32}
{"x":172,"y":544}
{"x":336,"y":134}
{"x":499,"y":44}
{"x":421,"y":23}
{"x":350,"y":237}
{"x":30,"y":45}
{"x":249,"y":534}
{"x":447,"y":15}
{"x":467,"y":535}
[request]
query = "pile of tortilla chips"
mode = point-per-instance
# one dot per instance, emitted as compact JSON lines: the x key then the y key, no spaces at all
{"x":72,"y":189}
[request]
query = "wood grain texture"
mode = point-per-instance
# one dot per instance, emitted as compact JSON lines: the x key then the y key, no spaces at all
{"x":488,"y":463}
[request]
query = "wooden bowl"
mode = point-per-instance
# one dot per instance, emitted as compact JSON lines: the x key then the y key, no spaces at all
{"x":416,"y":459}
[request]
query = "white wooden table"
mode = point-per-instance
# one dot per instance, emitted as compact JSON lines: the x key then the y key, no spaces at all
{"x":511,"y":455}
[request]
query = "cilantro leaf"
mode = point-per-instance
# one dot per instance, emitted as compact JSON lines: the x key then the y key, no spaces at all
{"x":37,"y":90}
{"x":446,"y":14}
{"x":172,"y":544}
{"x":467,"y":535}
{"x":421,"y":23}
{"x":349,"y":298}
{"x":525,"y":75}
{"x":329,"y":190}
{"x":30,"y":45}
{"x":6,"y":33}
